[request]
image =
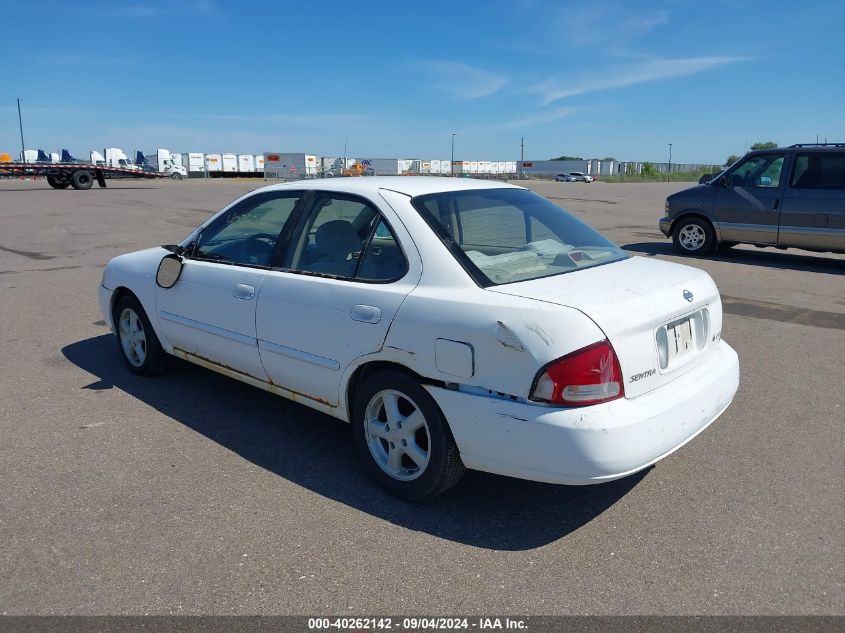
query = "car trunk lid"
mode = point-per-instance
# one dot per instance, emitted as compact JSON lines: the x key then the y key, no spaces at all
{"x":661,"y":318}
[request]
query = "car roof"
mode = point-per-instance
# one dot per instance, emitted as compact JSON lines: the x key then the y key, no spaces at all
{"x":407,"y":185}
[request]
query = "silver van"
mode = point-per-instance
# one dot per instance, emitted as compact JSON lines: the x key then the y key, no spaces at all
{"x":789,"y":197}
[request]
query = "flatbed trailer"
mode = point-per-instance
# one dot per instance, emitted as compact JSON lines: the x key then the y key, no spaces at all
{"x":77,"y":175}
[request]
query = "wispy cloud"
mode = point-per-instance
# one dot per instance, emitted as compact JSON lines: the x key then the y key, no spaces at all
{"x":525,"y":122}
{"x":147,"y":9}
{"x":136,"y":10}
{"x":603,"y":24}
{"x":546,"y":29}
{"x":300,"y":119}
{"x":642,"y":72}
{"x":460,"y":80}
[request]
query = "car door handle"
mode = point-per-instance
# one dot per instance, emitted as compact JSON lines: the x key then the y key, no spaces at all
{"x":366,"y":314}
{"x":243,"y":291}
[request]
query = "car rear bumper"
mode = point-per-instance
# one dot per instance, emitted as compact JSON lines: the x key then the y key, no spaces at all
{"x":665,"y":225}
{"x":590,"y":444}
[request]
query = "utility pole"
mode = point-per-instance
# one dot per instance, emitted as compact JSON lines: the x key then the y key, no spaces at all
{"x":669,"y":172}
{"x":522,"y":149}
{"x":452,"y":161}
{"x":20,"y":124}
{"x":344,"y":166}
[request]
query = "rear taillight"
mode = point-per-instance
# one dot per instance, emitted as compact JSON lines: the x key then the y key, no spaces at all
{"x":589,"y":376}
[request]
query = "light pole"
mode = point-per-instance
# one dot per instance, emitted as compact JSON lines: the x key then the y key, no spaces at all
{"x":20,"y":124}
{"x":452,"y":161}
{"x":669,"y":172}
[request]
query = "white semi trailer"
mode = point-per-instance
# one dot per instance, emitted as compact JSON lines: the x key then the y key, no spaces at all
{"x":290,"y":165}
{"x":194,"y":164}
{"x":230,"y":163}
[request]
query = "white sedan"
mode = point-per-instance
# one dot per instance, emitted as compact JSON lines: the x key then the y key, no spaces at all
{"x":455,"y":323}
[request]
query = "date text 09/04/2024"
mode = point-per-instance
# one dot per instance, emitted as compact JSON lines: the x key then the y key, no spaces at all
{"x":416,"y":623}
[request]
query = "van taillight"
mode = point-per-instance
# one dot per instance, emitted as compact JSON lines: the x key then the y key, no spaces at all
{"x":589,"y":376}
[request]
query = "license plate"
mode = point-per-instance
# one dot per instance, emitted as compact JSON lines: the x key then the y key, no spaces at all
{"x":680,"y":338}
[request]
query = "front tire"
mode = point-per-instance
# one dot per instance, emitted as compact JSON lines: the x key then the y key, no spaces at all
{"x":693,"y":236}
{"x":137,"y":341}
{"x":402,"y":437}
{"x":57,"y":183}
{"x":176,"y":176}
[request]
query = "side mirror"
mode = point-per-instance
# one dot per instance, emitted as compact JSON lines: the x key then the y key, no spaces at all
{"x":723,"y":181}
{"x":169,"y":269}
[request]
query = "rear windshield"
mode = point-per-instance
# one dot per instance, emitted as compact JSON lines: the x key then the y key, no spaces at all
{"x":501,"y":236}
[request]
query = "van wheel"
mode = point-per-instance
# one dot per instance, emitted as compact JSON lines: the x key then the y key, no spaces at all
{"x":402,"y":437}
{"x":693,"y":236}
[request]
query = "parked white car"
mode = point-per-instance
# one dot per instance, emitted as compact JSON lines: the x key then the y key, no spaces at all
{"x":455,"y":323}
{"x":580,"y":176}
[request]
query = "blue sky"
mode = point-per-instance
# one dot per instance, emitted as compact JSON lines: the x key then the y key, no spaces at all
{"x":398,"y":78}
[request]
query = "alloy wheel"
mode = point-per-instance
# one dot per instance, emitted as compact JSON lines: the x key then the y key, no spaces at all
{"x":133,"y":339}
{"x":397,"y":435}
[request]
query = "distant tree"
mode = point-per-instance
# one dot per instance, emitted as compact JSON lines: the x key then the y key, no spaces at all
{"x":609,"y":158}
{"x":766,"y":145}
{"x":730,"y":160}
{"x":568,"y":158}
{"x":649,"y":170}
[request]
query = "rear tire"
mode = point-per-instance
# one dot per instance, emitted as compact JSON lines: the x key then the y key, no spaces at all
{"x":693,"y":236}
{"x":57,"y":183}
{"x":82,"y":179}
{"x":137,"y":341}
{"x":403,"y":438}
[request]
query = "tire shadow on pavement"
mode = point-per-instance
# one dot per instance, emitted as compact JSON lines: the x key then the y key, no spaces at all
{"x":316,"y":451}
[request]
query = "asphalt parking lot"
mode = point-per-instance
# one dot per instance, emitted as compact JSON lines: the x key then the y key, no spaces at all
{"x":193,"y":493}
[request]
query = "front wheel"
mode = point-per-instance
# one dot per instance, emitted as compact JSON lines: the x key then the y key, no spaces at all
{"x":403,"y":438}
{"x":176,"y":175}
{"x":693,"y":236}
{"x":57,"y":183}
{"x":136,"y":338}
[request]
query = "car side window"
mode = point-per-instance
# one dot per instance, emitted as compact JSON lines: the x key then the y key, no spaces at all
{"x":346,"y":237}
{"x":247,"y":233}
{"x":762,"y":171}
{"x":382,"y":260}
{"x":819,"y":170}
{"x":331,"y":237}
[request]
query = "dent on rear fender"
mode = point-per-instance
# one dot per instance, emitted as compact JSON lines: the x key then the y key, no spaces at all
{"x":511,"y":337}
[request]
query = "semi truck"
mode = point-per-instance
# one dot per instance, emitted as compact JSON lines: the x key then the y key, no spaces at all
{"x":162,"y":160}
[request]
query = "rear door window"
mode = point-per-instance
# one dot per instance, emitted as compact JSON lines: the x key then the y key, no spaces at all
{"x":819,"y":170}
{"x":346,"y":237}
